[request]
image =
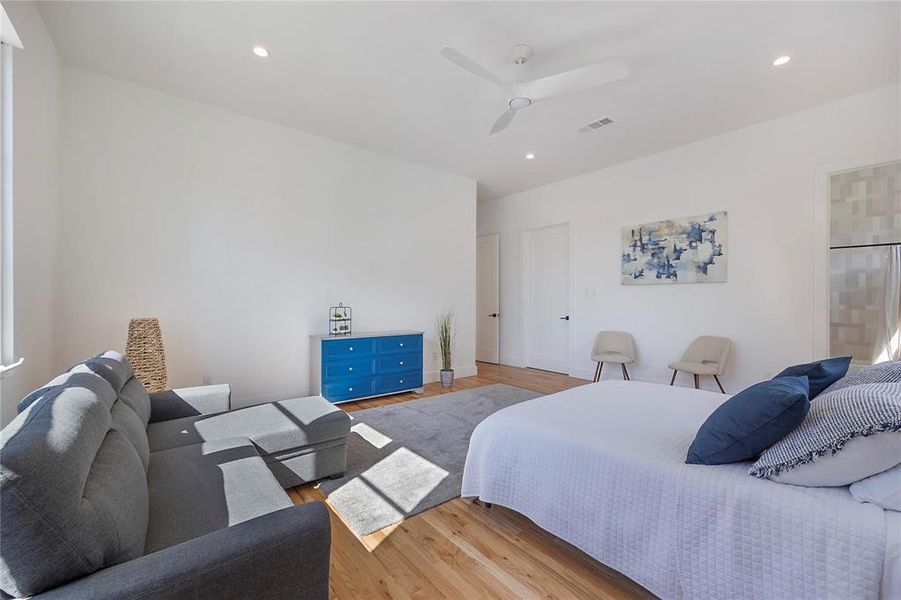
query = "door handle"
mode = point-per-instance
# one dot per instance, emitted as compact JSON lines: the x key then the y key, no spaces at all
{"x":494,"y":315}
{"x":565,"y":318}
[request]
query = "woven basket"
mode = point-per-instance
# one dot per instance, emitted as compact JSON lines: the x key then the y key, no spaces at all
{"x":144,"y":351}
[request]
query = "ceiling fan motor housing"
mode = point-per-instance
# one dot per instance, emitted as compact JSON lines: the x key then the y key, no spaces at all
{"x":519,"y":103}
{"x":521,"y":54}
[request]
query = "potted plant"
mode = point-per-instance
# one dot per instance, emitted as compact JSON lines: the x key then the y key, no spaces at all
{"x":445,"y":326}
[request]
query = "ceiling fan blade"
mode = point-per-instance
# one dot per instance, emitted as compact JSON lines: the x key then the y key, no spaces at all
{"x":503,"y":121}
{"x":473,"y":67}
{"x":577,"y":80}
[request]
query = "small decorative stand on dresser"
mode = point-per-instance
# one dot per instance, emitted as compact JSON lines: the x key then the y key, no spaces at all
{"x":364,"y":365}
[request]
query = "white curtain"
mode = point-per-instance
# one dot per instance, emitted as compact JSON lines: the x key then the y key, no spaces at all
{"x":891,"y":341}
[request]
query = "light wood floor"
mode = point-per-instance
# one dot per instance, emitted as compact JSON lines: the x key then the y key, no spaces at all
{"x":461,"y":549}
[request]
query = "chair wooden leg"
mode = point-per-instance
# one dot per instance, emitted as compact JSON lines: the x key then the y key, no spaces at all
{"x":597,"y":372}
{"x":697,"y":382}
{"x":673,"y":380}
{"x":600,"y":370}
{"x":719,"y":384}
{"x":625,"y":373}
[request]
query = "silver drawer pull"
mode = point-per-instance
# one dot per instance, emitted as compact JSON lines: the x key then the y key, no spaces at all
{"x":401,"y":362}
{"x":350,"y":368}
{"x":351,"y":349}
{"x":401,"y":380}
{"x":401,"y":344}
{"x":350,"y":389}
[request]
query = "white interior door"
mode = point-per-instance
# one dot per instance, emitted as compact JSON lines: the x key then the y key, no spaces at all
{"x":549,"y":319}
{"x":487,"y":304}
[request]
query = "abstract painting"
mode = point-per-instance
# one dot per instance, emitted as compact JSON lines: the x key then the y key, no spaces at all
{"x":686,"y":250}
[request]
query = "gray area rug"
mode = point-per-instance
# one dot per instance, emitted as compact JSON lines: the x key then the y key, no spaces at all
{"x":405,"y":458}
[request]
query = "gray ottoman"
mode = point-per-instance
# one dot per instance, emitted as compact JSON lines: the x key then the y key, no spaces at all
{"x":301,"y":439}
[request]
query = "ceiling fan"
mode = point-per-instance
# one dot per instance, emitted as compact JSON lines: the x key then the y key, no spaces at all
{"x":522,"y":94}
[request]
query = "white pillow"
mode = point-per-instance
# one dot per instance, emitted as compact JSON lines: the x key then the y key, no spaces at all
{"x":859,"y":458}
{"x":882,"y":489}
{"x":848,"y":435}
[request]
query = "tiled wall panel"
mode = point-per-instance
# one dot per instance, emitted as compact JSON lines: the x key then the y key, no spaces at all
{"x":865,"y":209}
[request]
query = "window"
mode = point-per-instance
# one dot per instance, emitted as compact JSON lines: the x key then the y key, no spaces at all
{"x":8,"y":40}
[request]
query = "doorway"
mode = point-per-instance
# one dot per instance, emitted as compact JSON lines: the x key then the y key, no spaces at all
{"x":488,"y":298}
{"x":548,"y":319}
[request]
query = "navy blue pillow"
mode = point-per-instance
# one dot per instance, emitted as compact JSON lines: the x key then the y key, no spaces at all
{"x":750,"y":422}
{"x":820,"y":373}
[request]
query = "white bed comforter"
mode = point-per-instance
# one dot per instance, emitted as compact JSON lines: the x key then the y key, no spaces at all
{"x":603,"y":467}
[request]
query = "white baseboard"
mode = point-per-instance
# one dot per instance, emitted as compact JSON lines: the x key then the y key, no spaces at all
{"x":512,"y":361}
{"x":582,"y":374}
{"x":432,"y":376}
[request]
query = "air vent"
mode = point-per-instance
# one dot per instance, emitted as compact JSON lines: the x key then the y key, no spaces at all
{"x":595,"y":125}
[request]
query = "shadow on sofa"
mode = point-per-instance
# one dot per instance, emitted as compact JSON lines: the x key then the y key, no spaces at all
{"x":88,"y":509}
{"x":301,"y":439}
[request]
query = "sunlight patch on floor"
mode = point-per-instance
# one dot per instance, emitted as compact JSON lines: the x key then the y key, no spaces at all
{"x":393,"y":474}
{"x":391,"y":489}
{"x":373,"y":436}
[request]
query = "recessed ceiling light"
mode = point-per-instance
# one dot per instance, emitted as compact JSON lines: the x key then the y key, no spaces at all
{"x":260,"y":51}
{"x":530,"y":156}
{"x":782,"y":60}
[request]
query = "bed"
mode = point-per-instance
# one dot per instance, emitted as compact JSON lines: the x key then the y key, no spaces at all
{"x":602,"y":467}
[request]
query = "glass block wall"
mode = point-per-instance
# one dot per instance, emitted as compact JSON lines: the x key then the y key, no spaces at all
{"x":865,"y":208}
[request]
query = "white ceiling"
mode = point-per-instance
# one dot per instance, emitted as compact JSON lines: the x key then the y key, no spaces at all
{"x":369,"y":74}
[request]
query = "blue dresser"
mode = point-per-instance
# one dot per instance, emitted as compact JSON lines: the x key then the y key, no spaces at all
{"x":365,"y":364}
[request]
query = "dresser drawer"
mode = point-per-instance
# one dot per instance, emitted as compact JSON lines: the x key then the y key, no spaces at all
{"x":398,"y":381}
{"x":347,"y":389}
{"x":399,"y":343}
{"x":399,"y":362}
{"x":343,"y":349}
{"x":351,"y":367}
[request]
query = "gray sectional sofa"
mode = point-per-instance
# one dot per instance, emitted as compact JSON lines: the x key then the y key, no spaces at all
{"x":109,"y":492}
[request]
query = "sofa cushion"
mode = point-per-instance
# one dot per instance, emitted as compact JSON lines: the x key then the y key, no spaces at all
{"x":53,"y":386}
{"x":41,"y":392}
{"x":73,"y":495}
{"x":174,"y":433}
{"x":117,"y":492}
{"x":201,"y":488}
{"x":189,"y":402}
{"x":274,"y":427}
{"x":116,"y":369}
{"x":113,"y":367}
{"x":130,"y":425}
{"x":135,"y":395}
{"x":124,"y":418}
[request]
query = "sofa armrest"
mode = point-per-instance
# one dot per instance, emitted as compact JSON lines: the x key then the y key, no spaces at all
{"x":189,"y":402}
{"x":284,"y":554}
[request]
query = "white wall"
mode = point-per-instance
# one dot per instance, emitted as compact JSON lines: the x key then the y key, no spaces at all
{"x":36,"y":122}
{"x":765,"y":176}
{"x":239,"y":234}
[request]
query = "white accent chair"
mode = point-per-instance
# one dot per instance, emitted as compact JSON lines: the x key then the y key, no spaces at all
{"x":704,"y":356}
{"x":613,"y":347}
